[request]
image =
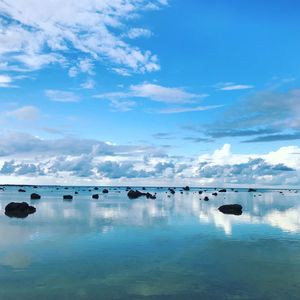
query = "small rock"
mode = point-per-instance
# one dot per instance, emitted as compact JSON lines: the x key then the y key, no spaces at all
{"x":67,"y":197}
{"x":21,"y":191}
{"x":186,"y":188}
{"x":105,"y":191}
{"x":251,"y":190}
{"x":215,"y":194}
{"x":222,"y":191}
{"x":95,"y":196}
{"x":206,"y":198}
{"x":35,"y":196}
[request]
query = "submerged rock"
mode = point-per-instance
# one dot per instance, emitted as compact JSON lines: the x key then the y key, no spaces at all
{"x":231,"y":209}
{"x":67,"y":197}
{"x":19,"y":210}
{"x":35,"y":196}
{"x":136,"y":194}
{"x":95,"y":196}
{"x":21,"y":191}
{"x":105,"y":191}
{"x":96,"y":188}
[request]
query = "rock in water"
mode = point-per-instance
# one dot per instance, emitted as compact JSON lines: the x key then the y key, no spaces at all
{"x":95,"y":196}
{"x":136,"y":194}
{"x":206,"y":198}
{"x":231,"y":209}
{"x":172,"y":191}
{"x":215,"y":194}
{"x":251,"y":190}
{"x":21,"y":191}
{"x":35,"y":196}
{"x":222,"y":191}
{"x":105,"y":191}
{"x":19,"y":210}
{"x":67,"y":197}
{"x":186,"y":188}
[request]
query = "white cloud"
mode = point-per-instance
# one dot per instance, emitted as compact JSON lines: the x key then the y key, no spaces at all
{"x":157,"y":93}
{"x":5,"y":81}
{"x":134,"y":33}
{"x":89,"y":84}
{"x":230,"y":86}
{"x":177,"y":110}
{"x":36,"y":33}
{"x":61,"y":96}
{"x":25,"y":113}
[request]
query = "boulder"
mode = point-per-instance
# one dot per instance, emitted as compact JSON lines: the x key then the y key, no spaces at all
{"x":186,"y":188}
{"x":222,"y":191}
{"x":35,"y":196}
{"x":136,"y":194}
{"x":95,"y":196}
{"x":96,"y":188}
{"x":215,"y":194}
{"x":19,"y":210}
{"x":206,"y":198}
{"x":105,"y":191}
{"x":231,"y":209}
{"x":251,"y":190}
{"x":21,"y":191}
{"x":67,"y":197}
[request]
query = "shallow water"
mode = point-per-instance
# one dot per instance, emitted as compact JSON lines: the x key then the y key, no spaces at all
{"x":174,"y":247}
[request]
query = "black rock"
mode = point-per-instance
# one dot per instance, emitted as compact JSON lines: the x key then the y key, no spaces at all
{"x":136,"y":194}
{"x":95,"y":196}
{"x":21,"y":191}
{"x":222,"y":191}
{"x":231,"y":209}
{"x":35,"y":196}
{"x":96,"y":188}
{"x":200,"y":192}
{"x":67,"y":197}
{"x":172,"y":191}
{"x":206,"y":198}
{"x":19,"y":210}
{"x":251,"y":190}
{"x":35,"y":187}
{"x":76,"y":193}
{"x":215,"y":194}
{"x":186,"y":188}
{"x":105,"y":191}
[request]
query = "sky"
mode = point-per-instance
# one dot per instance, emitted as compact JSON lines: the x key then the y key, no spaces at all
{"x":150,"y":92}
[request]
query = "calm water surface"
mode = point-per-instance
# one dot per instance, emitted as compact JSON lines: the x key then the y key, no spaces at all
{"x":176,"y":247}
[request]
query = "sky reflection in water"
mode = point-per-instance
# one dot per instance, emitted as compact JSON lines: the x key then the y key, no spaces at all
{"x":170,"y":248}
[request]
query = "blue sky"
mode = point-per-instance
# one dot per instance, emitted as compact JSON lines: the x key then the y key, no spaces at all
{"x":148,"y":92}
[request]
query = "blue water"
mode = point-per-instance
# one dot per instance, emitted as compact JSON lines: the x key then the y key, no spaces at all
{"x":174,"y":247}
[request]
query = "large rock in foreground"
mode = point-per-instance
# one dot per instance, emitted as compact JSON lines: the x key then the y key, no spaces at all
{"x":136,"y":194}
{"x":231,"y":209}
{"x":19,"y":210}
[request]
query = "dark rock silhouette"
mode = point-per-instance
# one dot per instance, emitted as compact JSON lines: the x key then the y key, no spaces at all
{"x":251,"y":190}
{"x":95,"y":196}
{"x":67,"y":197}
{"x":222,"y":191}
{"x":105,"y":191}
{"x":231,"y":209}
{"x":35,"y":196}
{"x":186,"y":188}
{"x":206,"y":198}
{"x":96,"y":188}
{"x":21,"y":191}
{"x":136,"y":194}
{"x":19,"y":210}
{"x":215,"y":194}
{"x":172,"y":191}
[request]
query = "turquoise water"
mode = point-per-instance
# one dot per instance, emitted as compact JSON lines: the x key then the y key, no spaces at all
{"x":176,"y":247}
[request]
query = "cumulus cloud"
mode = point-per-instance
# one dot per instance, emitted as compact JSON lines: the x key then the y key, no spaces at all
{"x":40,"y":33}
{"x":6,"y":81}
